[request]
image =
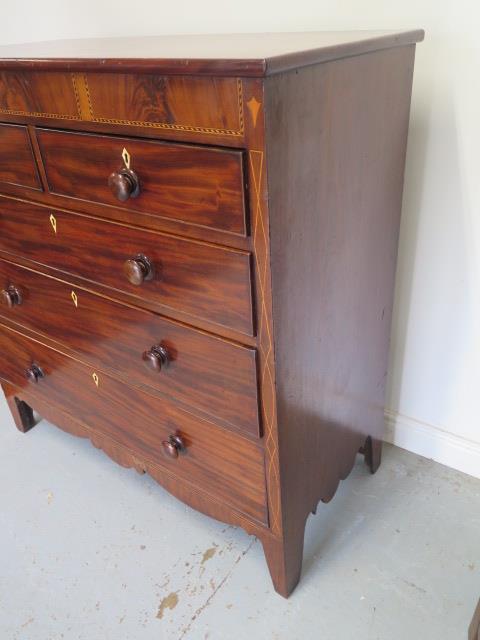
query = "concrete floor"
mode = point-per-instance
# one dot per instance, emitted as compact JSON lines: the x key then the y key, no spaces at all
{"x":91,"y":551}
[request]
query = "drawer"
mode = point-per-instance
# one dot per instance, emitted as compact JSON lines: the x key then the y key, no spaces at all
{"x":213,"y":375}
{"x":195,"y":278}
{"x":199,"y":185}
{"x":220,"y":462}
{"x":207,"y":108}
{"x":17,"y":163}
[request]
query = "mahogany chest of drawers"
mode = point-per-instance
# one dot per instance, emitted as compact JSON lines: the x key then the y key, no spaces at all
{"x":198,"y":240}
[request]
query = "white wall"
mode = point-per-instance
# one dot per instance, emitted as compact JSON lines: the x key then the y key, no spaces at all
{"x":435,"y":358}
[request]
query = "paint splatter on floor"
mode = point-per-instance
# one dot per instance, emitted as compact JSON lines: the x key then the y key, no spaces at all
{"x":170,"y":602}
{"x":209,"y":553}
{"x":29,"y":621}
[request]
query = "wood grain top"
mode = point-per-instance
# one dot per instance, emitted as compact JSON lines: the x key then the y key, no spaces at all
{"x":255,"y":54}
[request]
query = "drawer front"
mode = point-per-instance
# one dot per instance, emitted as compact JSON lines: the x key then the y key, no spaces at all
{"x":198,"y":279}
{"x":211,"y":374}
{"x":17,"y":163}
{"x":206,"y":107}
{"x":198,"y":185}
{"x":222,"y":463}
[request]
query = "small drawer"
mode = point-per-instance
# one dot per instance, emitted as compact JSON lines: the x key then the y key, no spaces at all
{"x":17,"y":163}
{"x":210,"y":374}
{"x":202,"y":186}
{"x":220,"y":462}
{"x":202,"y":280}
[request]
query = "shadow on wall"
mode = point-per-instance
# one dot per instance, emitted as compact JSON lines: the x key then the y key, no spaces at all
{"x":433,"y":319}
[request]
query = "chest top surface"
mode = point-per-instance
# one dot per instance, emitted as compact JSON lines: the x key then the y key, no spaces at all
{"x":254,"y":54}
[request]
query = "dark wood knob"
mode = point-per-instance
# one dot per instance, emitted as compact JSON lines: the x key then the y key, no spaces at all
{"x":124,"y":184}
{"x":34,"y":374}
{"x":173,"y":446}
{"x":156,"y":358}
{"x":138,"y":269}
{"x":11,"y":296}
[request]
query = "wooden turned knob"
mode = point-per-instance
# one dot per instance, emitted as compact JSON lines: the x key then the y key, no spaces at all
{"x":156,"y":358}
{"x":124,"y":184}
{"x":34,"y":374}
{"x":11,"y":296}
{"x":138,"y":269}
{"x":173,"y":446}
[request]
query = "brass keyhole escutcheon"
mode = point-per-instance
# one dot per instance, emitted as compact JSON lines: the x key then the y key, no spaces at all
{"x":126,"y":158}
{"x":53,"y":222}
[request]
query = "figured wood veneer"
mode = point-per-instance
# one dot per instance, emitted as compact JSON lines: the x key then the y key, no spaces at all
{"x":158,"y":102}
{"x":224,"y":464}
{"x":17,"y":163}
{"x":31,"y":93}
{"x":202,"y":186}
{"x":216,"y":376}
{"x":199,"y":279}
{"x":175,"y":104}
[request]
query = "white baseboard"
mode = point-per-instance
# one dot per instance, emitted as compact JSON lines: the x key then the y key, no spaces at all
{"x":434,"y":443}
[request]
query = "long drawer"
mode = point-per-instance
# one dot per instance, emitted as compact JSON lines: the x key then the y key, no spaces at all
{"x":195,"y":368}
{"x":194,"y":184}
{"x":198,"y":279}
{"x":222,"y":463}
